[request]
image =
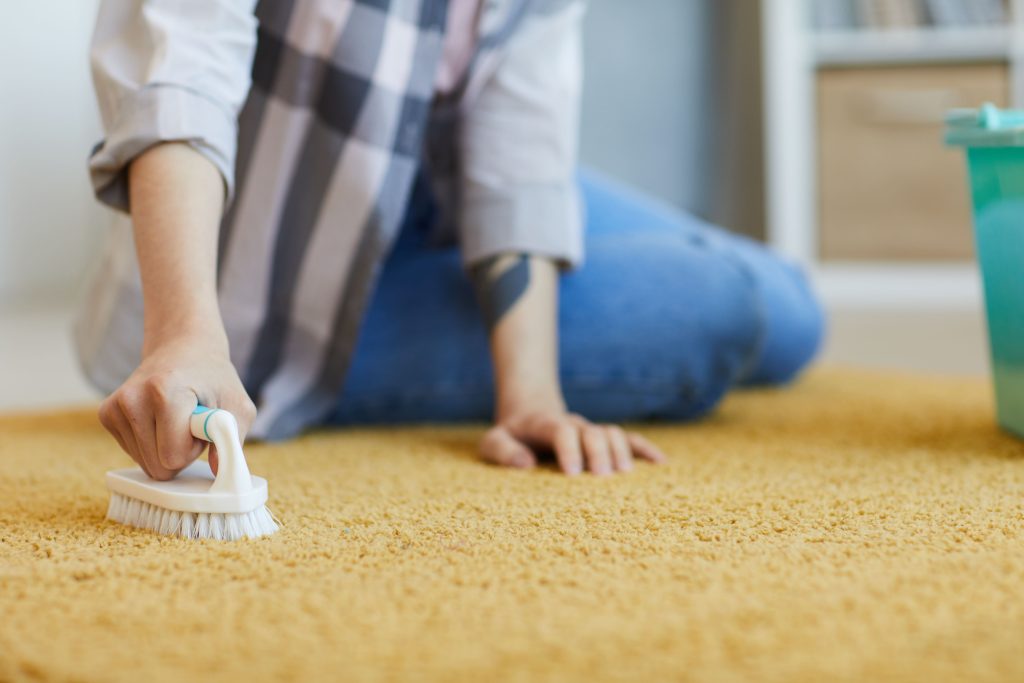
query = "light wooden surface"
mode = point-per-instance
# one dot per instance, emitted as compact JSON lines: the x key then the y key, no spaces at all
{"x":889,"y":189}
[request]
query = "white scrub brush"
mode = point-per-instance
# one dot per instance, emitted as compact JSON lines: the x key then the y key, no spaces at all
{"x":195,"y":504}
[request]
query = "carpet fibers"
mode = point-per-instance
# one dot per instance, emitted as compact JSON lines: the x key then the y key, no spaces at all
{"x":856,"y":527}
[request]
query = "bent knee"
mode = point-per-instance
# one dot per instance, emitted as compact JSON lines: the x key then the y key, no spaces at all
{"x":795,"y":326}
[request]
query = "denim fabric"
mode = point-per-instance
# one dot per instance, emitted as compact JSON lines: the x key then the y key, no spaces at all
{"x":666,"y":315}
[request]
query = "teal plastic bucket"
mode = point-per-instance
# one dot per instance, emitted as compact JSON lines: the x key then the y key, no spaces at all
{"x":994,"y":142}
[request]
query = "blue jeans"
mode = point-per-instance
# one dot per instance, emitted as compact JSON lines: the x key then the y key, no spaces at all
{"x":665,"y":316}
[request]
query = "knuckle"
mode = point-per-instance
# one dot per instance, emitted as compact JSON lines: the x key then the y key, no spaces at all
{"x":105,"y":413}
{"x":174,"y":464}
{"x":127,"y":400}
{"x":491,"y":436}
{"x":174,"y":455}
{"x":159,"y":387}
{"x":566,"y":431}
{"x":161,"y":474}
{"x":248,"y":409}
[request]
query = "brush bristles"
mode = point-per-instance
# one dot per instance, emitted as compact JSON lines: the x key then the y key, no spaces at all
{"x":221,"y":527}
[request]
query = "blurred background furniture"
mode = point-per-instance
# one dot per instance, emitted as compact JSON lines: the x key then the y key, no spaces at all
{"x":859,"y":186}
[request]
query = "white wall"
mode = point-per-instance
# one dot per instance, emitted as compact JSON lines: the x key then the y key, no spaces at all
{"x":671,"y":103}
{"x":645,"y":99}
{"x":50,"y":226}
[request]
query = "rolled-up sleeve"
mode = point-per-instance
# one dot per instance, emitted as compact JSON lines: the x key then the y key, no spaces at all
{"x":168,"y":70}
{"x":518,"y":146}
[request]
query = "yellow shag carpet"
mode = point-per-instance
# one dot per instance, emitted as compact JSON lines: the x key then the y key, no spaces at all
{"x":855,"y":527}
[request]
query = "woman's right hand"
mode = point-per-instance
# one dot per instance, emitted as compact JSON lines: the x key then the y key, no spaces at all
{"x":149,"y":413}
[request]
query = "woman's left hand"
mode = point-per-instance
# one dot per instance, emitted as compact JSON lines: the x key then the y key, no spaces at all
{"x":519,"y":298}
{"x":577,"y":443}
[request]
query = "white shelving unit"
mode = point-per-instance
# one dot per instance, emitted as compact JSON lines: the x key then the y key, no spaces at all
{"x":792,"y":52}
{"x":914,"y":46}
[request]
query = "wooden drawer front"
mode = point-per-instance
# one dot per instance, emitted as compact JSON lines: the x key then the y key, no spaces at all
{"x":889,"y":189}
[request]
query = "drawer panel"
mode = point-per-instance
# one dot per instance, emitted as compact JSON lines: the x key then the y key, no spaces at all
{"x":889,"y":190}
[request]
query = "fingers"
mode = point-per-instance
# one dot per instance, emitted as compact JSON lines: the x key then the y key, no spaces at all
{"x":642,"y":448}
{"x":172,"y":405}
{"x":566,"y":444}
{"x":142,"y":422}
{"x":598,"y":450}
{"x":622,"y":454}
{"x":213,"y":459}
{"x":126,"y":416}
{"x":577,"y":444}
{"x":558,"y":433}
{"x":501,"y":448}
{"x":244,"y":411}
{"x":149,"y":414}
{"x":149,"y":420}
{"x":115,"y":423}
{"x":107,"y":419}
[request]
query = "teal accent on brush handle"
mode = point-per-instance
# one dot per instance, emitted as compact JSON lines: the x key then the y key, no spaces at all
{"x":199,"y":410}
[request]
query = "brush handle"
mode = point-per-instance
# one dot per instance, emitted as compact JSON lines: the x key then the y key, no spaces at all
{"x":220,"y":428}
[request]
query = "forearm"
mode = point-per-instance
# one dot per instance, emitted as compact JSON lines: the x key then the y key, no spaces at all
{"x":177,"y":196}
{"x":518,"y":296}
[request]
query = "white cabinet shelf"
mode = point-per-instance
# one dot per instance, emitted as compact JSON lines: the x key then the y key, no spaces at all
{"x":792,"y":53}
{"x":882,"y":286}
{"x":914,"y":46}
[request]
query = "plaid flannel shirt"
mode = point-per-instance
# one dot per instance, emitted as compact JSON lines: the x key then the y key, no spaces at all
{"x":319,"y":151}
